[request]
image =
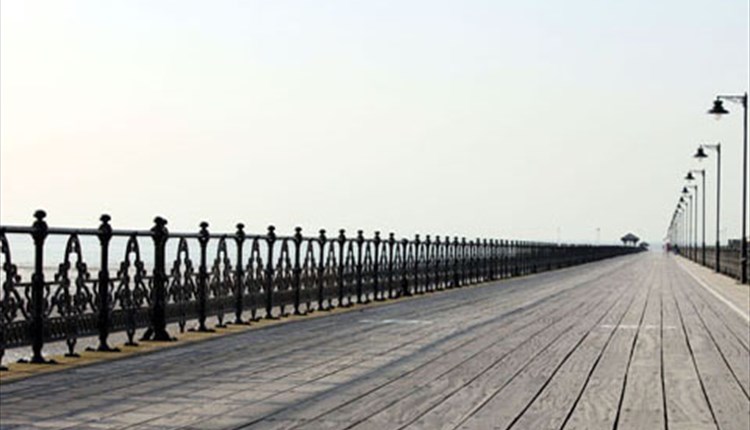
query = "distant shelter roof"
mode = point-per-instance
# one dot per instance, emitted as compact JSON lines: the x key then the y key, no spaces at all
{"x":630,"y":238}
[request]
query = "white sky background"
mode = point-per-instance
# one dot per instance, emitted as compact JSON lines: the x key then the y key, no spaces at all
{"x":479,"y":118}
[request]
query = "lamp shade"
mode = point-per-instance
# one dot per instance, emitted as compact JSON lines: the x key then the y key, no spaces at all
{"x":700,"y":154}
{"x":718,"y":108}
{"x":689,"y":176}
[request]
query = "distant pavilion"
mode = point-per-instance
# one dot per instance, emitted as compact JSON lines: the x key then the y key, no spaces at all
{"x":630,"y":239}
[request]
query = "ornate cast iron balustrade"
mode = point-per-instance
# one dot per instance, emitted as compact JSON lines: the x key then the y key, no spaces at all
{"x":158,"y":277}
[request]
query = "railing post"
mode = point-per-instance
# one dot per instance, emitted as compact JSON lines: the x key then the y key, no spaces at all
{"x":391,"y":249}
{"x":439,"y":264}
{"x":416,"y":244}
{"x":270,"y":240}
{"x":104,"y":234}
{"x":39,"y":234}
{"x":464,"y":263}
{"x":340,"y":270}
{"x":159,"y":235}
{"x":502,"y":249}
{"x":430,"y":266}
{"x":493,"y":259}
{"x":376,"y":288}
{"x":297,"y":273}
{"x":360,"y":245}
{"x":405,"y":267}
{"x":456,"y":262}
{"x":476,"y":261}
{"x":321,"y":269}
{"x":239,"y":276}
{"x":203,"y":237}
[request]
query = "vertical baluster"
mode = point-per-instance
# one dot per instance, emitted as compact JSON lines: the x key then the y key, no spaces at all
{"x":405,"y":267}
{"x":416,"y":248}
{"x":203,"y":238}
{"x":500,"y":258}
{"x":391,"y":250}
{"x":39,"y":234}
{"x":455,"y":255}
{"x":474,"y":256}
{"x":239,"y":276}
{"x":321,"y":269}
{"x":526,"y":257}
{"x":494,"y":263}
{"x":340,"y":269}
{"x":484,"y":257}
{"x":464,"y":263}
{"x":297,"y":272}
{"x":486,"y":261}
{"x":430,"y":270}
{"x":376,"y":293}
{"x":270,"y":240}
{"x":159,"y":235}
{"x":439,"y":264}
{"x":506,"y":259}
{"x":360,"y":245}
{"x":466,"y":267}
{"x":104,"y":304}
{"x":481,"y":264}
{"x":474,"y":260}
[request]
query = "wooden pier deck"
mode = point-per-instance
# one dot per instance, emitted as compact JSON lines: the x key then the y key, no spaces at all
{"x":639,"y":342}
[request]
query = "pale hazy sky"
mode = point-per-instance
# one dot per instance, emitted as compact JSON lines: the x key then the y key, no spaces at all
{"x":481,"y":118}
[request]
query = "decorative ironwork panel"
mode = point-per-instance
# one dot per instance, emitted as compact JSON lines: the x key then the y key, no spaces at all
{"x":220,"y":284}
{"x":182,"y":286}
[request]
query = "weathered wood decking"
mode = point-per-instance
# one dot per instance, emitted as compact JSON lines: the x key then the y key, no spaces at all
{"x":628,"y":343}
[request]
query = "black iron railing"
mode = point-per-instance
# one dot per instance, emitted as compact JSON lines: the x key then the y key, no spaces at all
{"x":730,"y":261}
{"x":236,"y":276}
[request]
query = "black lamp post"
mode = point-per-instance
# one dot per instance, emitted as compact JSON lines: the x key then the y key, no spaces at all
{"x":683,"y":225}
{"x":690,"y":177}
{"x":694,"y":203}
{"x":689,"y":218}
{"x":718,"y":110}
{"x":700,"y":155}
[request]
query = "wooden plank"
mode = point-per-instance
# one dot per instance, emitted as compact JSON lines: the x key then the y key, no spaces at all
{"x":497,"y":397}
{"x":423,"y":399}
{"x":642,"y":403}
{"x":553,"y":405}
{"x":730,"y":407}
{"x":383,"y":397}
{"x":709,"y":303}
{"x":732,"y":351}
{"x":600,"y":401}
{"x":686,"y":404}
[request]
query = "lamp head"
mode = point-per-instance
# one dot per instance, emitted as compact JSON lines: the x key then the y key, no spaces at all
{"x":718,"y":109}
{"x":685,"y":190}
{"x":700,"y":154}
{"x":689,"y":176}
